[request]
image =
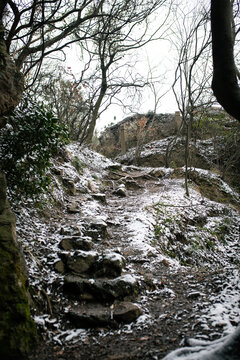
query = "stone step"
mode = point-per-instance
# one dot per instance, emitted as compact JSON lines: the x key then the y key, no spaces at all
{"x":96,"y":315}
{"x":76,"y":243}
{"x":109,"y":265}
{"x":101,"y":289}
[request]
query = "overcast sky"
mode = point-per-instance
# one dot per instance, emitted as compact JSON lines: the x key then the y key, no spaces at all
{"x":158,"y":57}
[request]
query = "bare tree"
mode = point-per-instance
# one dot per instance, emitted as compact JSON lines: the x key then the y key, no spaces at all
{"x":192,"y":75}
{"x":33,"y":30}
{"x":125,"y":30}
{"x":64,"y":95}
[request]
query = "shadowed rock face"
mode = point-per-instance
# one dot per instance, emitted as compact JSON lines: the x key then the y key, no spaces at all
{"x":17,"y":330}
{"x":155,"y":127}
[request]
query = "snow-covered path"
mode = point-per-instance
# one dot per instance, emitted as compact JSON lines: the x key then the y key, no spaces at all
{"x":184,"y":252}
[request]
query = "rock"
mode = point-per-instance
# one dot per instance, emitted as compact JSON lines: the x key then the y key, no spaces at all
{"x":92,"y":187}
{"x":194,"y":295}
{"x":96,"y":228}
{"x":163,"y":125}
{"x":101,"y":289}
{"x":132,"y":185}
{"x":3,"y":193}
{"x":76,"y":243}
{"x":73,"y":208}
{"x":57,"y":171}
{"x":81,"y":262}
{"x":126,"y":312}
{"x":120,"y":191}
{"x":100,"y":197}
{"x":69,"y":184}
{"x":71,"y":230}
{"x":96,"y":315}
{"x":149,"y":281}
{"x":109,"y":265}
{"x":59,"y":267}
{"x":17,"y":329}
{"x":158,"y":173}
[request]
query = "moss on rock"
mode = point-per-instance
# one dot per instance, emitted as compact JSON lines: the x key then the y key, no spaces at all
{"x":17,"y":329}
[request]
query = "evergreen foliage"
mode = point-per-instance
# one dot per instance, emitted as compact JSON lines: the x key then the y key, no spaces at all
{"x":32,"y":136}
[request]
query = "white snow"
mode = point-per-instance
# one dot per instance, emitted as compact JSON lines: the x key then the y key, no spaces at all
{"x":220,"y":349}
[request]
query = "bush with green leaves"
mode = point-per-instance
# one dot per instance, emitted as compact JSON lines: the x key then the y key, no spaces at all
{"x":30,"y":139}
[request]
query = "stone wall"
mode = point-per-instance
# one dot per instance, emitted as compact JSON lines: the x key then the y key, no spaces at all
{"x":17,"y":330}
{"x":140,"y":128}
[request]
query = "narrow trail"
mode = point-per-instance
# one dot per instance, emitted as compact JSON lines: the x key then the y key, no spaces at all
{"x":177,"y":301}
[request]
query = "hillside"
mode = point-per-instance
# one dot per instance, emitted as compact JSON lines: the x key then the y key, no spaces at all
{"x":122,"y":265}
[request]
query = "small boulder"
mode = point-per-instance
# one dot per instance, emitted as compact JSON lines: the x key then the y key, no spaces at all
{"x":120,"y":191}
{"x":59,"y":267}
{"x":69,"y":184}
{"x":101,"y":289}
{"x":81,"y":262}
{"x":132,"y":185}
{"x":121,"y":286}
{"x":73,"y":208}
{"x":96,"y":315}
{"x":158,"y":173}
{"x":96,"y":228}
{"x":74,"y":230}
{"x":100,"y":197}
{"x":92,"y":187}
{"x":90,"y":317}
{"x":69,"y":243}
{"x":109,"y":265}
{"x":126,"y":312}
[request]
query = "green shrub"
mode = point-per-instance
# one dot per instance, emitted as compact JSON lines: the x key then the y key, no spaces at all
{"x":32,"y":136}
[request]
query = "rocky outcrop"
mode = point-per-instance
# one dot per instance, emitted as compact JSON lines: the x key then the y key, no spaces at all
{"x":140,"y":128}
{"x":17,"y":330}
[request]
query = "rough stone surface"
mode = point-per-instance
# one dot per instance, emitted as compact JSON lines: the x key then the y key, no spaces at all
{"x":75,"y":243}
{"x":158,"y":173}
{"x":17,"y":330}
{"x":96,"y":315}
{"x":90,"y":317}
{"x":71,"y":230}
{"x":11,"y":83}
{"x":109,"y":265}
{"x":59,"y":267}
{"x":69,"y":184}
{"x":101,"y":289}
{"x":157,"y":127}
{"x":80,"y":262}
{"x":126,"y":312}
{"x":96,"y":228}
{"x":73,"y":208}
{"x":100,"y":197}
{"x":120,"y":191}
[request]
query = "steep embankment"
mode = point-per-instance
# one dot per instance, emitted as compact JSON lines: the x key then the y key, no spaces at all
{"x":126,"y":266}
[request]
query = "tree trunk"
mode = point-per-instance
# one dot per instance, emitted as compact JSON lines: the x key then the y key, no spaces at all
{"x":187,"y":156}
{"x":11,"y":82}
{"x":224,"y":83}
